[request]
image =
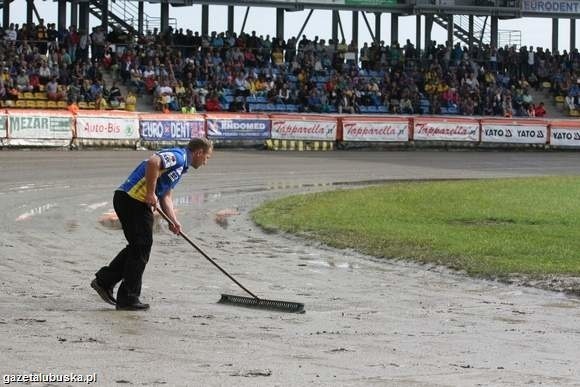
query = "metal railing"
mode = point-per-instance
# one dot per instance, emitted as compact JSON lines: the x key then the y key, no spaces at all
{"x":129,"y":12}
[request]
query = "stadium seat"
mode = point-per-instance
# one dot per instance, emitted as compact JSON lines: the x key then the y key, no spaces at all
{"x":27,"y":95}
{"x":40,"y":104}
{"x":452,"y":110}
{"x":20,"y":104}
{"x":51,"y":104}
{"x":83,"y":105}
{"x":31,"y":104}
{"x":61,"y":104}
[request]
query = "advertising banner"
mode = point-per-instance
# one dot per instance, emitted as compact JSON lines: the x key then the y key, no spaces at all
{"x":551,"y":6}
{"x":565,"y":133}
{"x":522,"y":132}
{"x":3,"y":126}
{"x":372,"y":3}
{"x":238,"y":127}
{"x":315,"y":128}
{"x":171,"y":128}
{"x":375,"y":129}
{"x":107,"y":126}
{"x":437,"y":129}
{"x":38,"y":124}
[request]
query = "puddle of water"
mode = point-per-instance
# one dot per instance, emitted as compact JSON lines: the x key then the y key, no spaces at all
{"x":95,"y":206}
{"x":110,"y":220}
{"x":35,"y":211}
{"x":221,"y":217}
{"x":510,"y":320}
{"x":72,"y":225}
{"x":330,"y":264}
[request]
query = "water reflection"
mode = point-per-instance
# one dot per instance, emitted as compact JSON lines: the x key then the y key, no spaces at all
{"x":35,"y":211}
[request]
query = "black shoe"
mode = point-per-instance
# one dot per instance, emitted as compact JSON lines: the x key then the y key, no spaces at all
{"x":135,"y":306}
{"x":106,"y":294}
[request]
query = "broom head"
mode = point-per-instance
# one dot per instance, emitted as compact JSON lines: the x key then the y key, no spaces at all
{"x":260,"y":303}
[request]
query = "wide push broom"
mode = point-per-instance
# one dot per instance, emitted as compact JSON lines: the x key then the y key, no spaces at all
{"x":249,"y":302}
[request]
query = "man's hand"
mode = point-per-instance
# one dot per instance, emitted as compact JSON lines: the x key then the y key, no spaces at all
{"x":175,"y":227}
{"x":151,"y":199}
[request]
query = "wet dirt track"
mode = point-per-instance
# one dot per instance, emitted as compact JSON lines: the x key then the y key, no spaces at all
{"x":368,"y":322}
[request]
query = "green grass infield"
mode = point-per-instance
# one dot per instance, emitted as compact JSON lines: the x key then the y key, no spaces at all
{"x":488,"y":228}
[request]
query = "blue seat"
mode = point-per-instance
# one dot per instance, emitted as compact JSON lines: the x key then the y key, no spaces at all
{"x":453,"y":110}
{"x":382,"y":109}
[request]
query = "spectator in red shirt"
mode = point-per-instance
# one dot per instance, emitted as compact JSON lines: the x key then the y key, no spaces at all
{"x":540,"y":111}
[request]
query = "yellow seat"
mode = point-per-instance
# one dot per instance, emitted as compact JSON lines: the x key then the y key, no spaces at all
{"x":61,"y":104}
{"x":9,"y":103}
{"x":40,"y":104}
{"x":574,"y":113}
{"x":83,"y":105}
{"x":40,"y":95}
{"x":27,"y":95}
{"x":91,"y":105}
{"x":560,"y":98}
{"x":546,"y":85}
{"x":20,"y":104}
{"x":31,"y":104}
{"x":51,"y":104}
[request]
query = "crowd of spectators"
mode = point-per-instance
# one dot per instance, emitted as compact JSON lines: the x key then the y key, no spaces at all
{"x":186,"y":71}
{"x":66,"y":65}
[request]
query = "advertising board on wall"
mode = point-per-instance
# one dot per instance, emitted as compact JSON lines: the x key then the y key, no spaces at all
{"x":3,"y":126}
{"x":108,"y":127}
{"x":433,"y":129}
{"x":304,"y":128}
{"x":551,"y":6}
{"x":173,"y":128}
{"x":40,"y":125}
{"x":237,"y":127}
{"x":565,"y":133}
{"x":375,"y":130}
{"x":524,"y":133}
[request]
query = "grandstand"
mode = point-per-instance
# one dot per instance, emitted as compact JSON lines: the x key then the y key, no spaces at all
{"x":118,"y":65}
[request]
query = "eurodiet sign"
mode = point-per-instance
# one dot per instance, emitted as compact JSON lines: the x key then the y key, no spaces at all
{"x":155,"y":129}
{"x":546,"y":6}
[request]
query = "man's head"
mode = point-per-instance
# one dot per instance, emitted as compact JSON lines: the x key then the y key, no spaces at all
{"x":201,"y":150}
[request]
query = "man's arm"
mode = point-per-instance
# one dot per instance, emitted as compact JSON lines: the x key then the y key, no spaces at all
{"x":152,"y":171}
{"x":166,"y":203}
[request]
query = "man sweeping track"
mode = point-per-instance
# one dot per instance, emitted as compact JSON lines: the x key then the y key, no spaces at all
{"x":151,"y":183}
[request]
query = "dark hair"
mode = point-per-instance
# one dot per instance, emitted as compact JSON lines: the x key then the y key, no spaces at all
{"x":200,"y":143}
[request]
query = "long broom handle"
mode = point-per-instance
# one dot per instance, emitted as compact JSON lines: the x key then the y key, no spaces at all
{"x":164,"y":215}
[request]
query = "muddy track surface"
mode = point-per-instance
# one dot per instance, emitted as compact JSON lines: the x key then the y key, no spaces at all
{"x":367,"y":321}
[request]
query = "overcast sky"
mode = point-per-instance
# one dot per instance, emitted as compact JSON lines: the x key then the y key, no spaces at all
{"x":534,"y":31}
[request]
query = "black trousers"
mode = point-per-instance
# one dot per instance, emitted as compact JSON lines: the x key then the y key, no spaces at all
{"x":128,"y":266}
